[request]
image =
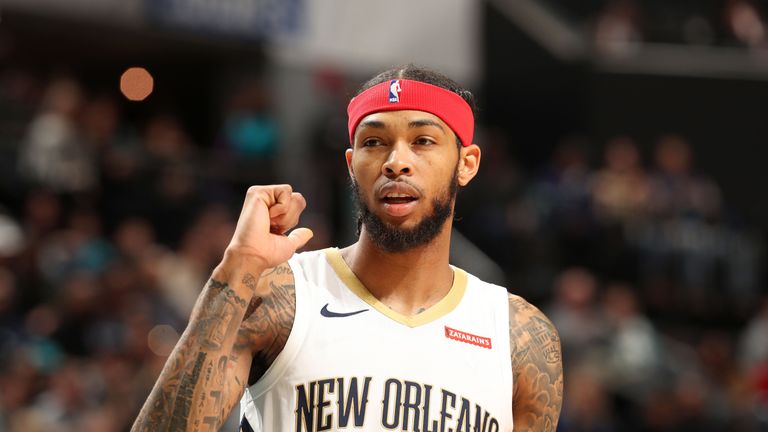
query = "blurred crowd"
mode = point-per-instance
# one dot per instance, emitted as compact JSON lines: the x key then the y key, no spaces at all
{"x":108,"y":231}
{"x":109,"y":228}
{"x":655,"y":284}
{"x":616,"y":23}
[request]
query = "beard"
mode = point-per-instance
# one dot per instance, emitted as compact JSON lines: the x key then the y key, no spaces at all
{"x":393,"y":239}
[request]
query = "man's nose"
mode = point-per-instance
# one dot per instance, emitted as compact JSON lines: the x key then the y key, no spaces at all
{"x":399,"y":161}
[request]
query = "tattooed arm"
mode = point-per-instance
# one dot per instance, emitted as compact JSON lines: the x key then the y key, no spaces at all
{"x":207,"y":371}
{"x":205,"y":374}
{"x":537,"y":368}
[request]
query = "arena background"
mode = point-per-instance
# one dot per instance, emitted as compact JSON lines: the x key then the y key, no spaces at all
{"x":621,"y":188}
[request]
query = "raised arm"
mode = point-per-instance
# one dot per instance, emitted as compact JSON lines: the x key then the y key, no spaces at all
{"x":537,"y":368}
{"x":207,"y":371}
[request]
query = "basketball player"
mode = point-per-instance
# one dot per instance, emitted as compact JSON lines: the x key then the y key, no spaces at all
{"x":383,"y":334}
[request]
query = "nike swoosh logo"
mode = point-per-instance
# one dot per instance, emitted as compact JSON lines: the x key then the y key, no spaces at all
{"x":329,"y":314}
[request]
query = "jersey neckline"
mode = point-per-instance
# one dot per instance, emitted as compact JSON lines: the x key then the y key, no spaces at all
{"x":434,"y":312}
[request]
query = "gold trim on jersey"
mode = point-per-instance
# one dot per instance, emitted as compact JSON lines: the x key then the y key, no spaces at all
{"x":439,"y":309}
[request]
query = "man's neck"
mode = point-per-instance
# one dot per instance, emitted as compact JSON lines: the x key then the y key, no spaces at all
{"x":407,"y":282}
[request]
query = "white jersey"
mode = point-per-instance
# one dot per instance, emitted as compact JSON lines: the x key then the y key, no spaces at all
{"x":352,"y":363}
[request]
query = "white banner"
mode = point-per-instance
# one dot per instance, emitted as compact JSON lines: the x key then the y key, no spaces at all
{"x":367,"y":35}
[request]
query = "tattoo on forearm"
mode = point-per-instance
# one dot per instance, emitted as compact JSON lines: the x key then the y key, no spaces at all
{"x":178,"y":402}
{"x":156,"y":413}
{"x":184,"y":396}
{"x":250,"y":281}
{"x":214,"y":420}
{"x":217,"y":326}
{"x":280,"y":270}
{"x":217,"y":285}
{"x":222,"y":369}
{"x":537,"y":365}
{"x":230,"y":296}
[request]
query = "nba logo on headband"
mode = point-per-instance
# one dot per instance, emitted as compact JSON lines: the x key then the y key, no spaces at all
{"x":394,"y":91}
{"x":419,"y":96}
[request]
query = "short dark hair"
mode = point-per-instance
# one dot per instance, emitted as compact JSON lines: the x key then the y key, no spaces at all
{"x":418,"y":73}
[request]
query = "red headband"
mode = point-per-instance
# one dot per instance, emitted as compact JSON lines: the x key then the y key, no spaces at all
{"x":402,"y":94}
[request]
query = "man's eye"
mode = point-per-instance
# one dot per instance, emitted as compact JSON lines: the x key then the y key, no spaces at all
{"x":371,"y":142}
{"x":423,"y":141}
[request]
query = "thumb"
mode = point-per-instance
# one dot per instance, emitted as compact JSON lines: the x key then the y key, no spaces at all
{"x":300,"y":236}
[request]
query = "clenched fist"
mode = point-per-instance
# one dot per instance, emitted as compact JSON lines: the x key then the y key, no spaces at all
{"x":259,"y":241}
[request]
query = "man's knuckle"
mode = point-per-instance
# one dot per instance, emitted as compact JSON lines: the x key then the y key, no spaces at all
{"x":299,"y":199}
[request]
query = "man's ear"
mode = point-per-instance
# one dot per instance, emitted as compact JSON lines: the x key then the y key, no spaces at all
{"x":348,"y":155}
{"x":469,"y":163}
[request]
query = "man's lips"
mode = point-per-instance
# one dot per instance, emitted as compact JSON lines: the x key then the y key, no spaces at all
{"x":399,"y":209}
{"x":398,"y":191}
{"x":399,"y":198}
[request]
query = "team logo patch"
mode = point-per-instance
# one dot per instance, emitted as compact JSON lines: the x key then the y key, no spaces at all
{"x":469,"y":338}
{"x":394,"y":91}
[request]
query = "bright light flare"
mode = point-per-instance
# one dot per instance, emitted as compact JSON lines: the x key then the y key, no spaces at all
{"x":136,"y":84}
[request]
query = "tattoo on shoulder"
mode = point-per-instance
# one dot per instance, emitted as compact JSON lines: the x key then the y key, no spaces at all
{"x":518,"y":303}
{"x":537,"y":366}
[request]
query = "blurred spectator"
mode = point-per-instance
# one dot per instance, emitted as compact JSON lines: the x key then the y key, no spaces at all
{"x":249,"y":129}
{"x":249,"y":139}
{"x":719,"y":399}
{"x":11,"y":321}
{"x":575,"y":314}
{"x":78,"y":248}
{"x":565,"y":187}
{"x":11,"y":236}
{"x":753,"y":343}
{"x":760,"y":388}
{"x":682,"y":241}
{"x":43,"y":213}
{"x":587,"y":406}
{"x":182,"y":274}
{"x":54,"y":153}
{"x":745,"y":23}
{"x":633,"y":356}
{"x":621,"y":191}
{"x":170,"y":197}
{"x":617,"y":27}
{"x":133,"y":278}
{"x":99,"y":122}
{"x":561,"y":195}
{"x":20,"y":382}
{"x":675,"y":189}
{"x":166,"y":141}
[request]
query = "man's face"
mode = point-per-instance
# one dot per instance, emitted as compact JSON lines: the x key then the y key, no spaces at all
{"x":405,"y":171}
